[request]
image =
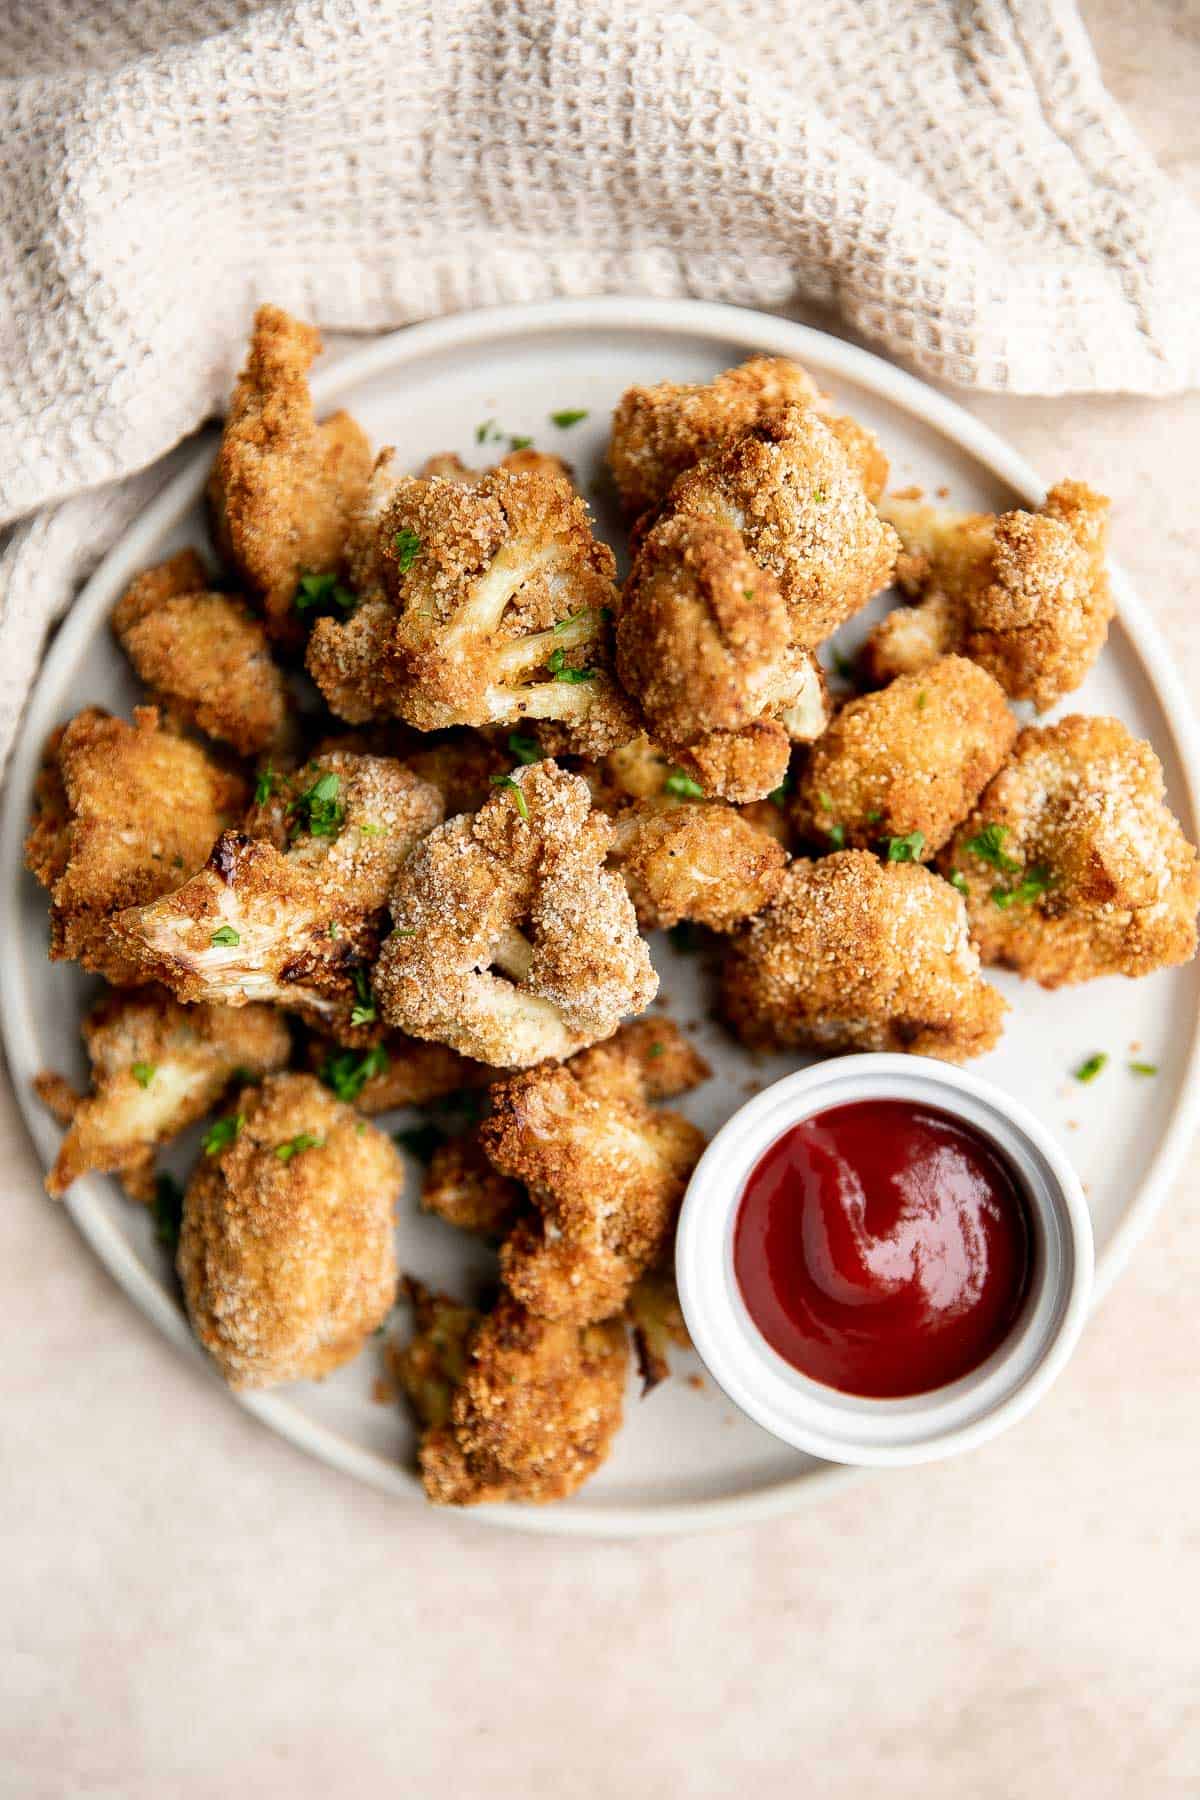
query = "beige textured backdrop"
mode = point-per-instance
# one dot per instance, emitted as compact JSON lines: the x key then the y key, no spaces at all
{"x":191,"y":1608}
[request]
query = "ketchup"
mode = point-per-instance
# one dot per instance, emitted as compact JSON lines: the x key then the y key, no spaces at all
{"x":882,"y":1248}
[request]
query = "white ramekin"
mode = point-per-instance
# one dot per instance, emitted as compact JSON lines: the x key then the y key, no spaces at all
{"x":848,"y":1428}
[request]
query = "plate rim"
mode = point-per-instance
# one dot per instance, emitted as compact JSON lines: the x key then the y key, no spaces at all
{"x":740,"y":327}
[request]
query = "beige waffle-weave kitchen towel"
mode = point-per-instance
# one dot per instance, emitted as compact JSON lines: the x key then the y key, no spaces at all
{"x":950,"y":173}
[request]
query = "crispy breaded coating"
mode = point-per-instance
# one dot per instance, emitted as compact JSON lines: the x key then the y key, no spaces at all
{"x":660,"y":431}
{"x":907,"y":762}
{"x":652,"y":1054}
{"x":786,"y":485}
{"x":433,"y":1363}
{"x":512,"y":942}
{"x":286,"y":1253}
{"x":1024,"y":594}
{"x":704,"y":644}
{"x":447,"y":466}
{"x":203,"y":655}
{"x":695,"y":859}
{"x":296,"y":925}
{"x":855,"y":954}
{"x":396,"y":1071}
{"x":283,"y":489}
{"x":157,"y":1067}
{"x":606,"y":1173}
{"x":533,"y":1415}
{"x":463,"y":1188}
{"x":1072,"y":864}
{"x":656,"y":1321}
{"x":123,"y":814}
{"x":460,"y":764}
{"x":497,"y":606}
{"x":637,"y":771}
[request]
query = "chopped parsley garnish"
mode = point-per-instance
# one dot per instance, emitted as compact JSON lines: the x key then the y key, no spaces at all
{"x":318,"y":810}
{"x":573,"y":618}
{"x":818,"y":495}
{"x":370,"y":829}
{"x":303,"y":1140}
{"x":525,"y":749}
{"x":222,"y":1133}
{"x":1025,"y":892}
{"x":168,"y":1210}
{"x":657,"y":1050}
{"x":363,"y":1012}
{"x":485,"y":431}
{"x":824,"y":802}
{"x":407,"y":545}
{"x":958,"y":880}
{"x":922,"y":700}
{"x":1091,"y":1067}
{"x":143,"y":1073}
{"x":988,"y":846}
{"x":335,"y":931}
{"x":506,"y":781}
{"x":323,"y":590}
{"x":837,"y":836}
{"x":906,"y":849}
{"x":747,"y":593}
{"x":348,"y":1073}
{"x":264,"y":786}
{"x":226,"y":937}
{"x":683,"y":786}
{"x":519,"y":443}
{"x":874,"y":816}
{"x":556,"y":662}
{"x":778,"y":796}
{"x":1143,"y":1068}
{"x":420,"y":1140}
{"x":572,"y":415}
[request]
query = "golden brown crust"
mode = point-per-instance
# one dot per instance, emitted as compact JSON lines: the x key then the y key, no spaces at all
{"x":912,"y":758}
{"x":125,"y":813}
{"x":448,"y":466}
{"x":512,"y":943}
{"x":394,"y":1072}
{"x":202,"y":654}
{"x":494,"y":610}
{"x":1072,"y":863}
{"x":605,"y":1172}
{"x":460,"y":764}
{"x":1024,"y":594}
{"x":283,"y":489}
{"x":287,"y":1260}
{"x":860,"y":955}
{"x":157,"y":1067}
{"x":704,"y":644}
{"x":295,"y":925}
{"x":432,"y":1364}
{"x":534,"y":1413}
{"x":798,"y":503}
{"x":659,"y":432}
{"x":695,"y":859}
{"x":462,"y":1188}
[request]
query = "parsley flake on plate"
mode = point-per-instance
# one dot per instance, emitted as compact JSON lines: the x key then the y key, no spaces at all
{"x":1091,"y":1066}
{"x":571,"y":415}
{"x":1143,"y":1068}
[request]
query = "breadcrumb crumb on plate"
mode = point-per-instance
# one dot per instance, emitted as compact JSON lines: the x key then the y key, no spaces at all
{"x":433,"y":384}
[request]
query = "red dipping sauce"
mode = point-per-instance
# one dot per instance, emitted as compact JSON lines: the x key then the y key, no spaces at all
{"x":882,"y":1247}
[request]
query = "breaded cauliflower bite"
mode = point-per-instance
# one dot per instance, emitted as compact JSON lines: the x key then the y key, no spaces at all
{"x":286,"y":1251}
{"x":656,"y":1322}
{"x":704,"y":644}
{"x":788,"y":488}
{"x":283,"y":489}
{"x":1072,"y":865}
{"x":157,"y":1067}
{"x":605,"y":1172}
{"x":660,"y":431}
{"x":291,"y":909}
{"x":906,"y":764}
{"x":532,"y":1405}
{"x":512,"y":942}
{"x":462,"y":1188}
{"x":695,"y":859}
{"x":498,"y":601}
{"x":1025,"y":594}
{"x":855,"y":954}
{"x":203,"y":655}
{"x":122,"y":814}
{"x":393,"y":1072}
{"x":447,"y":466}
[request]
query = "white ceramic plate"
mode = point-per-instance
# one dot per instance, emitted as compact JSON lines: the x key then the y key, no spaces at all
{"x":684,"y":1460}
